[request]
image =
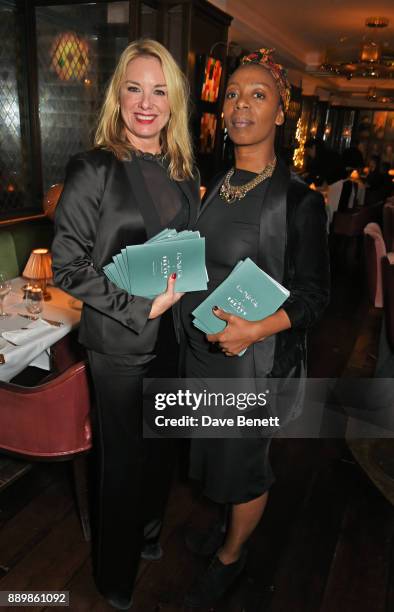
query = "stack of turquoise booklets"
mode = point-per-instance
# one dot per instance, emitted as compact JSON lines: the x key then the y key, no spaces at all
{"x":247,"y":292}
{"x":143,"y":269}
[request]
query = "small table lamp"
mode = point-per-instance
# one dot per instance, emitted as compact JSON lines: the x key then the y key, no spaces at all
{"x":39,"y":268}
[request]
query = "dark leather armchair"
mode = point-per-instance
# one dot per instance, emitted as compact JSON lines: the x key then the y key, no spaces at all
{"x":388,"y":286}
{"x":51,"y":422}
{"x":352,"y":223}
{"x":347,"y":232}
{"x":50,"y":200}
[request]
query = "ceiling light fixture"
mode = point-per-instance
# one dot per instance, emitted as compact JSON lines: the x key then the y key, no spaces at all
{"x":373,"y":95}
{"x":370,"y":63}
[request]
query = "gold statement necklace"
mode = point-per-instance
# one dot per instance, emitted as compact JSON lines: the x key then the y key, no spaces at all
{"x":230,"y":193}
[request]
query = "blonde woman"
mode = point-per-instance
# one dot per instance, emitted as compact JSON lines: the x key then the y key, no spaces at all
{"x":137,"y":180}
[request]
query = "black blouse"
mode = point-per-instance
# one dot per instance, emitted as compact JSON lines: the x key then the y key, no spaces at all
{"x":171,"y":207}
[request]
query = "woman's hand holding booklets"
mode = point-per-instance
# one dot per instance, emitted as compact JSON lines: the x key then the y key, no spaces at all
{"x":247,"y":292}
{"x":143,"y":269}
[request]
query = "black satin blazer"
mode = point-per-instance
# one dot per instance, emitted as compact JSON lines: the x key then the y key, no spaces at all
{"x":100,"y":212}
{"x":293,"y":250}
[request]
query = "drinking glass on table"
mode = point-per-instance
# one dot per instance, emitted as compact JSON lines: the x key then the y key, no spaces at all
{"x":34,"y":301}
{"x":5,"y":288}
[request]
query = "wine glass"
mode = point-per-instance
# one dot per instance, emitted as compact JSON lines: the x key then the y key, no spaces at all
{"x":5,"y":288}
{"x":35,"y":301}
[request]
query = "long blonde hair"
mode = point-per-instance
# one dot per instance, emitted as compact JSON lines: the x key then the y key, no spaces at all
{"x":175,"y":136}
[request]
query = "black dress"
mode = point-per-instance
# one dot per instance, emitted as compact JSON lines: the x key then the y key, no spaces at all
{"x":231,"y":470}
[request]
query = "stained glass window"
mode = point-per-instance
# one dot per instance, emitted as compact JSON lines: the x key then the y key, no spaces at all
{"x":78,"y":47}
{"x":70,"y":57}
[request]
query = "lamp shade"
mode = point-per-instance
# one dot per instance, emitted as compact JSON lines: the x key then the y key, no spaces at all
{"x":370,"y":52}
{"x":39,"y":265}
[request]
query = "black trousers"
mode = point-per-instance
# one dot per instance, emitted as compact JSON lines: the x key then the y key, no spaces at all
{"x":131,"y":476}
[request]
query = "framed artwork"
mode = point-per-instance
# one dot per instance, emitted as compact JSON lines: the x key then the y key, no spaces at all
{"x":389,"y":131}
{"x":207,"y":132}
{"x":211,"y":81}
{"x":379,"y":123}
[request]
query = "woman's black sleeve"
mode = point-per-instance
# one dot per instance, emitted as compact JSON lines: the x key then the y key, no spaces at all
{"x":308,"y":262}
{"x":76,"y":228}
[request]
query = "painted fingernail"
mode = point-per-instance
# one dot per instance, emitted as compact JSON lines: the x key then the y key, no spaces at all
{"x":215,"y":308}
{"x":173,"y":275}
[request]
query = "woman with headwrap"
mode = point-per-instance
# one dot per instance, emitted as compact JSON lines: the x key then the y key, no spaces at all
{"x":261,"y":211}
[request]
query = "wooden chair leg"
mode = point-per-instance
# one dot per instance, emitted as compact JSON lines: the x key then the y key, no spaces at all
{"x":81,"y":490}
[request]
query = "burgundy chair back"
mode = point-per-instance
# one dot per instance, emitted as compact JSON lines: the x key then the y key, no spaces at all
{"x":49,"y":420}
{"x":375,"y":250}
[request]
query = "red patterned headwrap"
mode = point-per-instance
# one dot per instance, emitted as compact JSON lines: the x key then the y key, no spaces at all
{"x":264,"y":58}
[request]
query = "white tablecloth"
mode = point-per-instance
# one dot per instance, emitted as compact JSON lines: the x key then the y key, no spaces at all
{"x":36,"y":351}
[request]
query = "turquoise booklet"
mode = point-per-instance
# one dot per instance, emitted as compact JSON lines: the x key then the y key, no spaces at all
{"x":143,"y":269}
{"x":247,"y":292}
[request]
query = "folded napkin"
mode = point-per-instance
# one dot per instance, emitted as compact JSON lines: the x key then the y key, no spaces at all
{"x":33,"y":330}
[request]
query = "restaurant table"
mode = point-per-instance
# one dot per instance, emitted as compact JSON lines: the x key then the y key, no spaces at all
{"x":35,"y":351}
